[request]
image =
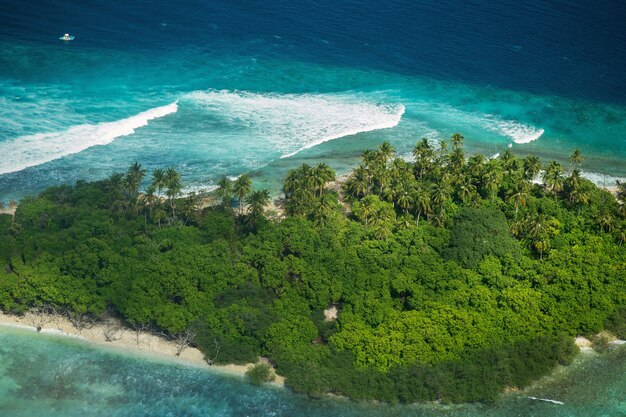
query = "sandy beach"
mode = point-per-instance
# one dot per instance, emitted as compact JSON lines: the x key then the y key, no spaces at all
{"x":112,"y":334}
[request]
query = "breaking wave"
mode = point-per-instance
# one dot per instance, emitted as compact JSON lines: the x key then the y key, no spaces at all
{"x":291,"y":123}
{"x":32,"y":150}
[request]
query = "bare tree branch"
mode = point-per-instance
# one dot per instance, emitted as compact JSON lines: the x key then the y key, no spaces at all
{"x":184,"y":339}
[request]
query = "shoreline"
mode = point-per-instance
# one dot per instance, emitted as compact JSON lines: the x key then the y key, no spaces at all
{"x":127,"y":340}
{"x":157,"y":347}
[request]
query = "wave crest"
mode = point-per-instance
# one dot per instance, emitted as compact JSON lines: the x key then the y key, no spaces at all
{"x":518,"y":132}
{"x":291,"y":123}
{"x":32,"y":150}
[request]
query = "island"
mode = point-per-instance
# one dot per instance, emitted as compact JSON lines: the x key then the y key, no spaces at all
{"x":447,"y":277}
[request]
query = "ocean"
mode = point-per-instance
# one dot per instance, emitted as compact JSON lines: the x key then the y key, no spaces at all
{"x":225,"y":87}
{"x":43,"y":375}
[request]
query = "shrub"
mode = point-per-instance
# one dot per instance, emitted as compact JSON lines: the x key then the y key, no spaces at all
{"x":260,"y":373}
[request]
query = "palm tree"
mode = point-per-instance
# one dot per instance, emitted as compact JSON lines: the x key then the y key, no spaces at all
{"x":257,"y":201}
{"x":400,"y":170}
{"x":383,"y":177}
{"x":367,"y":207}
{"x":516,"y":228}
{"x":532,"y":167}
{"x":116,"y":187}
{"x":391,"y":192}
{"x":134,"y":177}
{"x":576,"y":158}
{"x":467,"y":190}
{"x":579,"y":197}
{"x":457,"y":140}
{"x":404,"y":221}
{"x":443,"y":153}
{"x":370,"y":159}
{"x":573,"y":185}
{"x":422,"y":204}
{"x":382,"y":215}
{"x":383,"y":231}
{"x":149,"y":199}
{"x":405,"y":198}
{"x":622,"y":209}
{"x":519,"y":197}
{"x":510,"y":164}
{"x":158,"y":214}
{"x":424,"y":155}
{"x":476,"y":165}
{"x":357,"y":185}
{"x":321,"y":175}
{"x":324,"y":208}
{"x":553,"y":178}
{"x":224,"y":190}
{"x":607,"y":223}
{"x":491,"y":178}
{"x":441,"y":193}
{"x":538,"y":228}
{"x":541,"y":245}
{"x":241,"y":188}
{"x":457,"y":161}
{"x":537,"y":225}
{"x":385,"y":152}
{"x":189,"y":207}
{"x":172,"y":182}
{"x":158,"y":180}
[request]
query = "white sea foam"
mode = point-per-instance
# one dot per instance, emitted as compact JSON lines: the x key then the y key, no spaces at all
{"x":518,"y":132}
{"x":602,"y":180}
{"x":290,"y":123}
{"x":33,"y":150}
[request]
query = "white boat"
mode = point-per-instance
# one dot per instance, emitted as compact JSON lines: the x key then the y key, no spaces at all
{"x":66,"y":37}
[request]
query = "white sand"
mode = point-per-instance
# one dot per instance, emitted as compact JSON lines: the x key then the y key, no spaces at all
{"x":123,"y":338}
{"x":586,"y":345}
{"x":583,"y":344}
{"x":330,"y":314}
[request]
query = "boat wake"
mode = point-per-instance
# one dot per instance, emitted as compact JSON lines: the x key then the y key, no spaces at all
{"x":32,"y":150}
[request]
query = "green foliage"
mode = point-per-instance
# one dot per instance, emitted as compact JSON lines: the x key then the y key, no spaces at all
{"x":453,"y":277}
{"x":480,"y":232}
{"x":617,"y":323}
{"x":260,"y":373}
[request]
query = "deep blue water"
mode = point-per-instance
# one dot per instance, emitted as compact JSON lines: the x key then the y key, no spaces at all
{"x":225,"y":87}
{"x":250,"y":82}
{"x":546,"y":47}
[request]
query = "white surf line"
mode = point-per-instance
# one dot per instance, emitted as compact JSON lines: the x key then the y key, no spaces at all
{"x":291,"y":123}
{"x":395,"y":120}
{"x":547,"y":400}
{"x":40,"y":148}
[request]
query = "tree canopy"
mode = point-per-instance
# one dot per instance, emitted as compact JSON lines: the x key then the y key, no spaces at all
{"x":453,"y":277}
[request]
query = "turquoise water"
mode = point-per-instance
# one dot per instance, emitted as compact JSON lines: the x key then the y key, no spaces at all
{"x":47,"y":375}
{"x":222,"y":88}
{"x":231,"y":86}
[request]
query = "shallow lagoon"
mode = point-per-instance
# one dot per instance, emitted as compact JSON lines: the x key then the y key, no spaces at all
{"x":49,"y":375}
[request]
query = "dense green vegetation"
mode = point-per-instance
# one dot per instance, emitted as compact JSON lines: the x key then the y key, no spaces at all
{"x":260,"y":373}
{"x":454,"y":277}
